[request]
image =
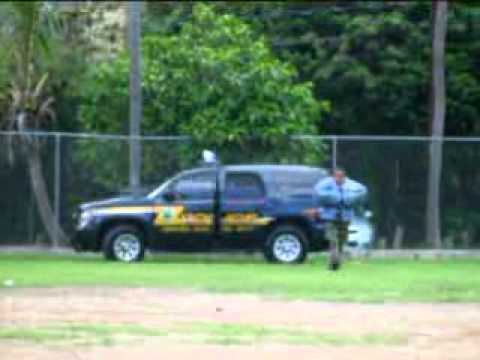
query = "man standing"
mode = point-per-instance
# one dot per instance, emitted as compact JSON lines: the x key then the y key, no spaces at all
{"x":337,"y":196}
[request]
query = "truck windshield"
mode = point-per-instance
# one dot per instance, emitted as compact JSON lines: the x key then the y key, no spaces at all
{"x":156,"y":193}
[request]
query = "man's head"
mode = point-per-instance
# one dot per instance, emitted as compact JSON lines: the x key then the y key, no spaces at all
{"x":339,"y":175}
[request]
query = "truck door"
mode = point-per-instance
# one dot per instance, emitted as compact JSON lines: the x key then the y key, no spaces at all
{"x":241,"y":209}
{"x":187,"y":222}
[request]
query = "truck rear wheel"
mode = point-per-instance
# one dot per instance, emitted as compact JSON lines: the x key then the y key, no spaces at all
{"x":286,"y":244}
{"x":124,"y":243}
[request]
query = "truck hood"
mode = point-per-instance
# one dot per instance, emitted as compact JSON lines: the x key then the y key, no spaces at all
{"x":116,"y":201}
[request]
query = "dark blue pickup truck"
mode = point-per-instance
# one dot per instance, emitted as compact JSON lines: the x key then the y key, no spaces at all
{"x":213,"y":208}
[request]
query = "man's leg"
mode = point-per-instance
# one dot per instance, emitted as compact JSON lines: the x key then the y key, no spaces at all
{"x":336,"y":244}
{"x":342,"y":227}
{"x":334,"y":261}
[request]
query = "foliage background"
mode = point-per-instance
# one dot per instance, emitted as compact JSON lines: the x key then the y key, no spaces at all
{"x":223,"y":72}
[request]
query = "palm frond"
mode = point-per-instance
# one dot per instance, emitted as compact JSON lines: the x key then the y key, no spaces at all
{"x":40,"y":85}
{"x":45,"y":111}
{"x":27,"y":15}
{"x":16,"y":97}
{"x":25,"y":23}
{"x":31,"y":27}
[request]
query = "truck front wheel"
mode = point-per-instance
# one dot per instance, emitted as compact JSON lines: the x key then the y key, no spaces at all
{"x":124,"y":243}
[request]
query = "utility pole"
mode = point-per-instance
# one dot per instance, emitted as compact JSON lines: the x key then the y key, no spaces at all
{"x":134,"y":13}
{"x":433,"y":219}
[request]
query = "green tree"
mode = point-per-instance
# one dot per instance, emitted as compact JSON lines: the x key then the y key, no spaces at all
{"x":214,"y":79}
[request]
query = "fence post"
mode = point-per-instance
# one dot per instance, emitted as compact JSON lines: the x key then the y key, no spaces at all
{"x":57,"y":184}
{"x":334,"y":152}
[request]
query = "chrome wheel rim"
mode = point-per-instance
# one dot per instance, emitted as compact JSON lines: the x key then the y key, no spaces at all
{"x":126,"y":247}
{"x":287,"y":247}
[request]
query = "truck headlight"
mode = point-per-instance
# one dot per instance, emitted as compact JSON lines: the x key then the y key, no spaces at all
{"x":84,"y":219}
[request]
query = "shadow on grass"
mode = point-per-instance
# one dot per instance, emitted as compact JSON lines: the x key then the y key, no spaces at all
{"x":219,"y":258}
{"x":212,"y":258}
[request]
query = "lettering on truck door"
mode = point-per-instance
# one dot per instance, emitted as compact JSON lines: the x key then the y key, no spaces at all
{"x":187,"y":223}
{"x":242,"y":206}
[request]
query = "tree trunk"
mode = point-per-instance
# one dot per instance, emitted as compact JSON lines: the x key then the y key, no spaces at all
{"x":398,"y":237}
{"x":466,"y":238}
{"x":433,"y":223}
{"x":134,"y":10}
{"x":39,"y":189}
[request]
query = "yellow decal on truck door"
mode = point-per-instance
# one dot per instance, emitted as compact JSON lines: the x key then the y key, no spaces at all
{"x":169,"y":215}
{"x":175,"y":219}
{"x":243,"y":221}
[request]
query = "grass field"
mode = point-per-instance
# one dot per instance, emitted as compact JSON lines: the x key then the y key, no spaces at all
{"x":379,"y":280}
{"x":224,"y":334}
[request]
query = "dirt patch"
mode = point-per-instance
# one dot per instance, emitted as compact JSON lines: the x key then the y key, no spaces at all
{"x":433,"y":331}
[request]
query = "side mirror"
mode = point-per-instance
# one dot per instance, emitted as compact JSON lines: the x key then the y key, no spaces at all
{"x":169,"y":196}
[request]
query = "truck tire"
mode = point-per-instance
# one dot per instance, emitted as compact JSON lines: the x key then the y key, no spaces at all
{"x":286,"y":244}
{"x":124,"y":243}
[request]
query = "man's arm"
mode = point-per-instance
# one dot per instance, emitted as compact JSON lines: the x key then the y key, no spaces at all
{"x":355,"y":193}
{"x":326,"y":192}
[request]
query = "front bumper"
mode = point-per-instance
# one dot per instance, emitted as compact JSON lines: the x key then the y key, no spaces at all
{"x":85,"y":240}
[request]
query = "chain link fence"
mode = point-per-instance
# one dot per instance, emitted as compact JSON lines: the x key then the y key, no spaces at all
{"x":83,"y":167}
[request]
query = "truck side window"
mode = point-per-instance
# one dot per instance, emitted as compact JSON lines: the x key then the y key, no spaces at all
{"x":291,"y":184}
{"x":243,"y":186}
{"x":197,"y":186}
